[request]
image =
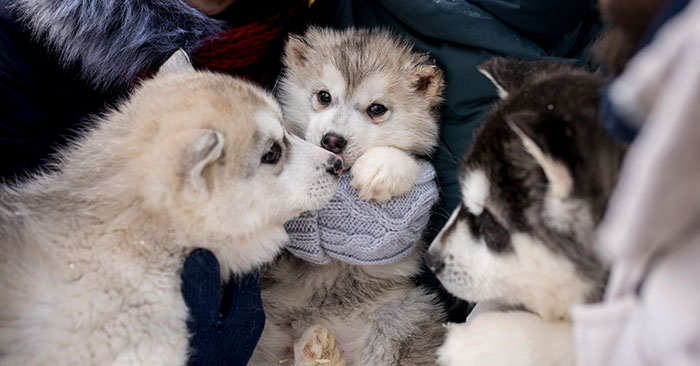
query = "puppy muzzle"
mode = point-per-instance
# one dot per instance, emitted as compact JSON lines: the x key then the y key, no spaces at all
{"x":434,"y":262}
{"x":335,"y":165}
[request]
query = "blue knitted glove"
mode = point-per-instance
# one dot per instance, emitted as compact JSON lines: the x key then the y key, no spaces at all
{"x":225,"y":323}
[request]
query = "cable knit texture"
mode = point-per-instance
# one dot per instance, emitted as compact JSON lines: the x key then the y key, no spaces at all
{"x":364,"y":232}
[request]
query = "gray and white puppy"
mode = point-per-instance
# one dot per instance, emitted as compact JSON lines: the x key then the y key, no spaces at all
{"x":366,"y":95}
{"x":535,"y":185}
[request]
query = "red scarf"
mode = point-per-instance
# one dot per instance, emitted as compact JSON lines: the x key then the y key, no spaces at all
{"x":251,"y":50}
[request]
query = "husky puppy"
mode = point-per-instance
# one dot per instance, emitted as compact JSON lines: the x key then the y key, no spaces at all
{"x":369,"y":97}
{"x":535,"y":185}
{"x":90,"y":255}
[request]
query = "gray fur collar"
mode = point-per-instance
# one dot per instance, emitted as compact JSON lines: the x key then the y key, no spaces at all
{"x":111,"y":42}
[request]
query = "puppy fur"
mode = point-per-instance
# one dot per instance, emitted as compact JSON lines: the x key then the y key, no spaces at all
{"x":376,"y":314}
{"x":522,"y":338}
{"x":535,"y":185}
{"x":91,"y":253}
{"x":359,"y":69}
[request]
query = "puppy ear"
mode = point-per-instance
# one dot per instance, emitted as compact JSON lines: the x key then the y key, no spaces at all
{"x":504,"y":73}
{"x":535,"y":132}
{"x":296,"y":51}
{"x":508,"y":74}
{"x":177,"y":62}
{"x":428,"y":82}
{"x":204,"y":147}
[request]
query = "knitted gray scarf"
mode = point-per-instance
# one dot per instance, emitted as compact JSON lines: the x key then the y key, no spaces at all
{"x":364,"y":232}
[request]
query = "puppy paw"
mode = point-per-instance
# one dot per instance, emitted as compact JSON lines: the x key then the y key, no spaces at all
{"x":383,"y":173}
{"x":528,"y":339}
{"x":317,"y":347}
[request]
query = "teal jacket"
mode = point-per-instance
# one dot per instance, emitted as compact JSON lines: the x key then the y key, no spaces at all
{"x":462,"y":34}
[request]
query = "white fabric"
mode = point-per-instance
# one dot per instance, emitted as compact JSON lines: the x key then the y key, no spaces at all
{"x":651,"y":234}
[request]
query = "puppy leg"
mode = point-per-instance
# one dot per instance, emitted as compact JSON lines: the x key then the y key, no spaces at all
{"x":317,"y":347}
{"x":515,"y":338}
{"x":382,"y":173}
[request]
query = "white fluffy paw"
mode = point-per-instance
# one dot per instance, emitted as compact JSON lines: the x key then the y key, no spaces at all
{"x":383,"y":173}
{"x":317,"y":347}
{"x":514,"y":338}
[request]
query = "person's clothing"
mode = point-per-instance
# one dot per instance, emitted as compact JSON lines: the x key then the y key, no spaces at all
{"x":42,"y":103}
{"x":364,"y":232}
{"x":617,"y":126}
{"x":460,"y":35}
{"x":222,"y":334}
{"x":651,"y":233}
{"x":624,"y":129}
{"x":63,"y":61}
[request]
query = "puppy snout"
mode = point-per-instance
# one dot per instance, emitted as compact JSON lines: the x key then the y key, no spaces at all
{"x":335,"y":165}
{"x":333,"y":142}
{"x":434,"y":262}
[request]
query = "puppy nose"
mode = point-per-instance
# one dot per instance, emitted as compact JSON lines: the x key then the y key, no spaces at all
{"x":434,"y":262}
{"x":335,"y":165}
{"x":334,"y":143}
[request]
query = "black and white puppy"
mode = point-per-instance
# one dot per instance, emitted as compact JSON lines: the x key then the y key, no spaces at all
{"x":535,"y":185}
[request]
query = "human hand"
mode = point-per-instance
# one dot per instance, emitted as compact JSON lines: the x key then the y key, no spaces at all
{"x":224,"y":323}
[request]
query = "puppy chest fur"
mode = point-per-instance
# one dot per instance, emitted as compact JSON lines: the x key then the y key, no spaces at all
{"x":377,"y":314}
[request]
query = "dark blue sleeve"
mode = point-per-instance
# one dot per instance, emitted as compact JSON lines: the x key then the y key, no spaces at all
{"x":42,"y":103}
{"x":225,"y":323}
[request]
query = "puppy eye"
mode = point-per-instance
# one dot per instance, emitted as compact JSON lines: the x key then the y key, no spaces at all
{"x":324,"y":97}
{"x":495,"y":236}
{"x":376,"y":110}
{"x":273,"y":154}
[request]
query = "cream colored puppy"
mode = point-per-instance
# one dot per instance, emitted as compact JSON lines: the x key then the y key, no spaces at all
{"x":90,"y":255}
